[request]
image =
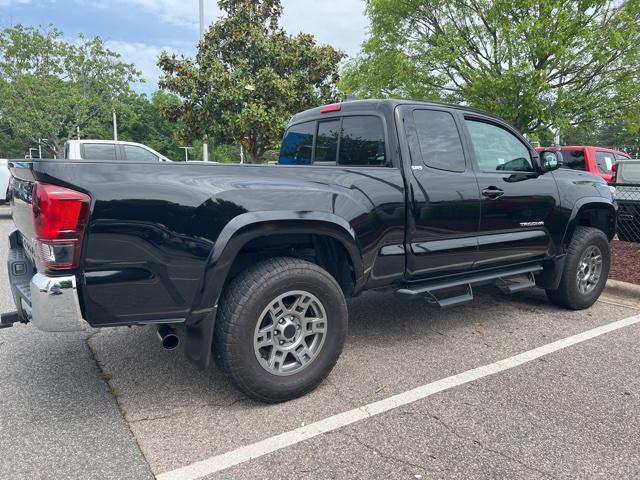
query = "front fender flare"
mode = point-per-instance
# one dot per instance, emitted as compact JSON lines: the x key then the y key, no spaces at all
{"x":199,"y":326}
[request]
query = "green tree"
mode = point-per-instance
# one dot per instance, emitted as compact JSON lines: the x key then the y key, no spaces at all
{"x":248,"y":78}
{"x":50,"y":88}
{"x":12,"y":145}
{"x":537,"y":63}
{"x":613,"y":134}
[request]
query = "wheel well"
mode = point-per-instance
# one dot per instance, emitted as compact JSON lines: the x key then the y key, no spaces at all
{"x":323,"y":250}
{"x":596,"y":216}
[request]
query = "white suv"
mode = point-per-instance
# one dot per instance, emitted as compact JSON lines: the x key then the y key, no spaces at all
{"x":111,"y":150}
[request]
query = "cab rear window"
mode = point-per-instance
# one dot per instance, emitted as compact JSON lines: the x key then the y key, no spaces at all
{"x":356,"y":140}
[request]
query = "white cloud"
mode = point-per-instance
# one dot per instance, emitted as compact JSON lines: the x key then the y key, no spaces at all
{"x":7,"y":3}
{"x":341,"y":23}
{"x":183,"y":13}
{"x":144,"y":57}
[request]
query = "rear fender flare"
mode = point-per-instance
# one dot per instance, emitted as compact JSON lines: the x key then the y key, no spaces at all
{"x":200,"y":322}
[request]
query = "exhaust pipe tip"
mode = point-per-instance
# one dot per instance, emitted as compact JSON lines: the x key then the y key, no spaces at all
{"x":169,"y":339}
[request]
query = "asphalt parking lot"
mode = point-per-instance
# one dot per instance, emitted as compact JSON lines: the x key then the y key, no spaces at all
{"x":111,"y":404}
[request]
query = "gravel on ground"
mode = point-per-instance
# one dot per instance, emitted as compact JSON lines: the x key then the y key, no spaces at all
{"x":625,"y":261}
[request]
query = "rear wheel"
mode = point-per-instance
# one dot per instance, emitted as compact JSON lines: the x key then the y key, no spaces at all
{"x":280,"y":328}
{"x":585,"y":270}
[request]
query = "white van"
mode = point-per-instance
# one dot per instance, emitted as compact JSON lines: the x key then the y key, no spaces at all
{"x":4,"y":180}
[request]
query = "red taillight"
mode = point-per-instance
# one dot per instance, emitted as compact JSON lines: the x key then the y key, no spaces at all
{"x":331,"y":108}
{"x":59,"y":218}
{"x":614,"y":173}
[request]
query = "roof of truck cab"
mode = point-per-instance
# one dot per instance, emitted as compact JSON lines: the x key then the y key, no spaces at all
{"x":381,"y":104}
{"x":114,"y":142}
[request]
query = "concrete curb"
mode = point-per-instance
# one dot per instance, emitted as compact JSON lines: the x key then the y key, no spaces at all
{"x":622,"y":292}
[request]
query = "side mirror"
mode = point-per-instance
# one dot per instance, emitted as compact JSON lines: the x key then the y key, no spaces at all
{"x":549,"y":160}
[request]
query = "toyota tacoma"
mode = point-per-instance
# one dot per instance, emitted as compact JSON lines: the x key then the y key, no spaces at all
{"x":251,"y":265}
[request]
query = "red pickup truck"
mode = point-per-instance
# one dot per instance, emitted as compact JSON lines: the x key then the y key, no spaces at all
{"x":596,"y":160}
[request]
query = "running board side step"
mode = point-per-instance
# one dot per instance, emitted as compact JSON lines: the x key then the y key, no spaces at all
{"x":503,"y":279}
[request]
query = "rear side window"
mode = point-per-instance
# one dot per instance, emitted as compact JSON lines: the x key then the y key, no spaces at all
{"x":439,"y":139}
{"x":351,"y":141}
{"x":99,"y":151}
{"x":573,"y":159}
{"x":297,"y":145}
{"x":362,"y":142}
{"x":605,"y":161}
{"x":138,"y":154}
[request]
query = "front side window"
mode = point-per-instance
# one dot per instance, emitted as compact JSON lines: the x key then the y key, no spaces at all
{"x":362,"y":142}
{"x":498,"y":149}
{"x":138,"y":154}
{"x":605,"y":161}
{"x":440,"y":143}
{"x":99,"y":151}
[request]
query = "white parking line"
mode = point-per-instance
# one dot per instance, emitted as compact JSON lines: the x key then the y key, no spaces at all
{"x":249,"y":452}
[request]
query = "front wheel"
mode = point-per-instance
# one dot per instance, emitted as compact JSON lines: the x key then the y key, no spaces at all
{"x":586,"y":270}
{"x":280,"y":328}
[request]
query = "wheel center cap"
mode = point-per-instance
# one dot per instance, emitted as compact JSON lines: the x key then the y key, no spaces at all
{"x":289,"y":331}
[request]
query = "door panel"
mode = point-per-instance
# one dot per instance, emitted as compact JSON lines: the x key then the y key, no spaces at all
{"x":444,"y":200}
{"x":516,"y":202}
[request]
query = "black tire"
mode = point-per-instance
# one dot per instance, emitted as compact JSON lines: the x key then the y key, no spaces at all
{"x":240,"y":309}
{"x":567,"y":294}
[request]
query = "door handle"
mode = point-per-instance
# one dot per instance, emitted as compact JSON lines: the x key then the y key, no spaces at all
{"x":492,"y":192}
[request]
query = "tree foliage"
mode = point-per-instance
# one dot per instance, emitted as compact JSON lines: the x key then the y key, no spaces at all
{"x":248,"y":77}
{"x":537,"y":63}
{"x":50,"y":87}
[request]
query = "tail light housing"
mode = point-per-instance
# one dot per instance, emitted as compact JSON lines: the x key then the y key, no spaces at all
{"x":60,"y":217}
{"x":614,"y":173}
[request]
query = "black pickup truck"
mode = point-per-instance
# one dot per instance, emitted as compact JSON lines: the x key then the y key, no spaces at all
{"x":252,"y":264}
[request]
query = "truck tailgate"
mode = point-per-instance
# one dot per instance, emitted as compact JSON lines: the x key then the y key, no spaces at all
{"x":22,"y":194}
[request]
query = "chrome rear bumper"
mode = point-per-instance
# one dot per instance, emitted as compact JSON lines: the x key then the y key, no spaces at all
{"x":50,"y":303}
{"x":54,"y":304}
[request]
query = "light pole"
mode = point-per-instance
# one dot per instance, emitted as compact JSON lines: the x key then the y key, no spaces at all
{"x":201,"y":18}
{"x":205,"y":145}
{"x":40,"y":140}
{"x":186,"y":153}
{"x":115,"y":127}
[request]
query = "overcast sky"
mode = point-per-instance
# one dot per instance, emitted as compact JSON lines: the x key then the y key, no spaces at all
{"x":140,"y":29}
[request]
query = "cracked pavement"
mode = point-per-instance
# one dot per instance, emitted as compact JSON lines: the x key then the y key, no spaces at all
{"x":113,"y":404}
